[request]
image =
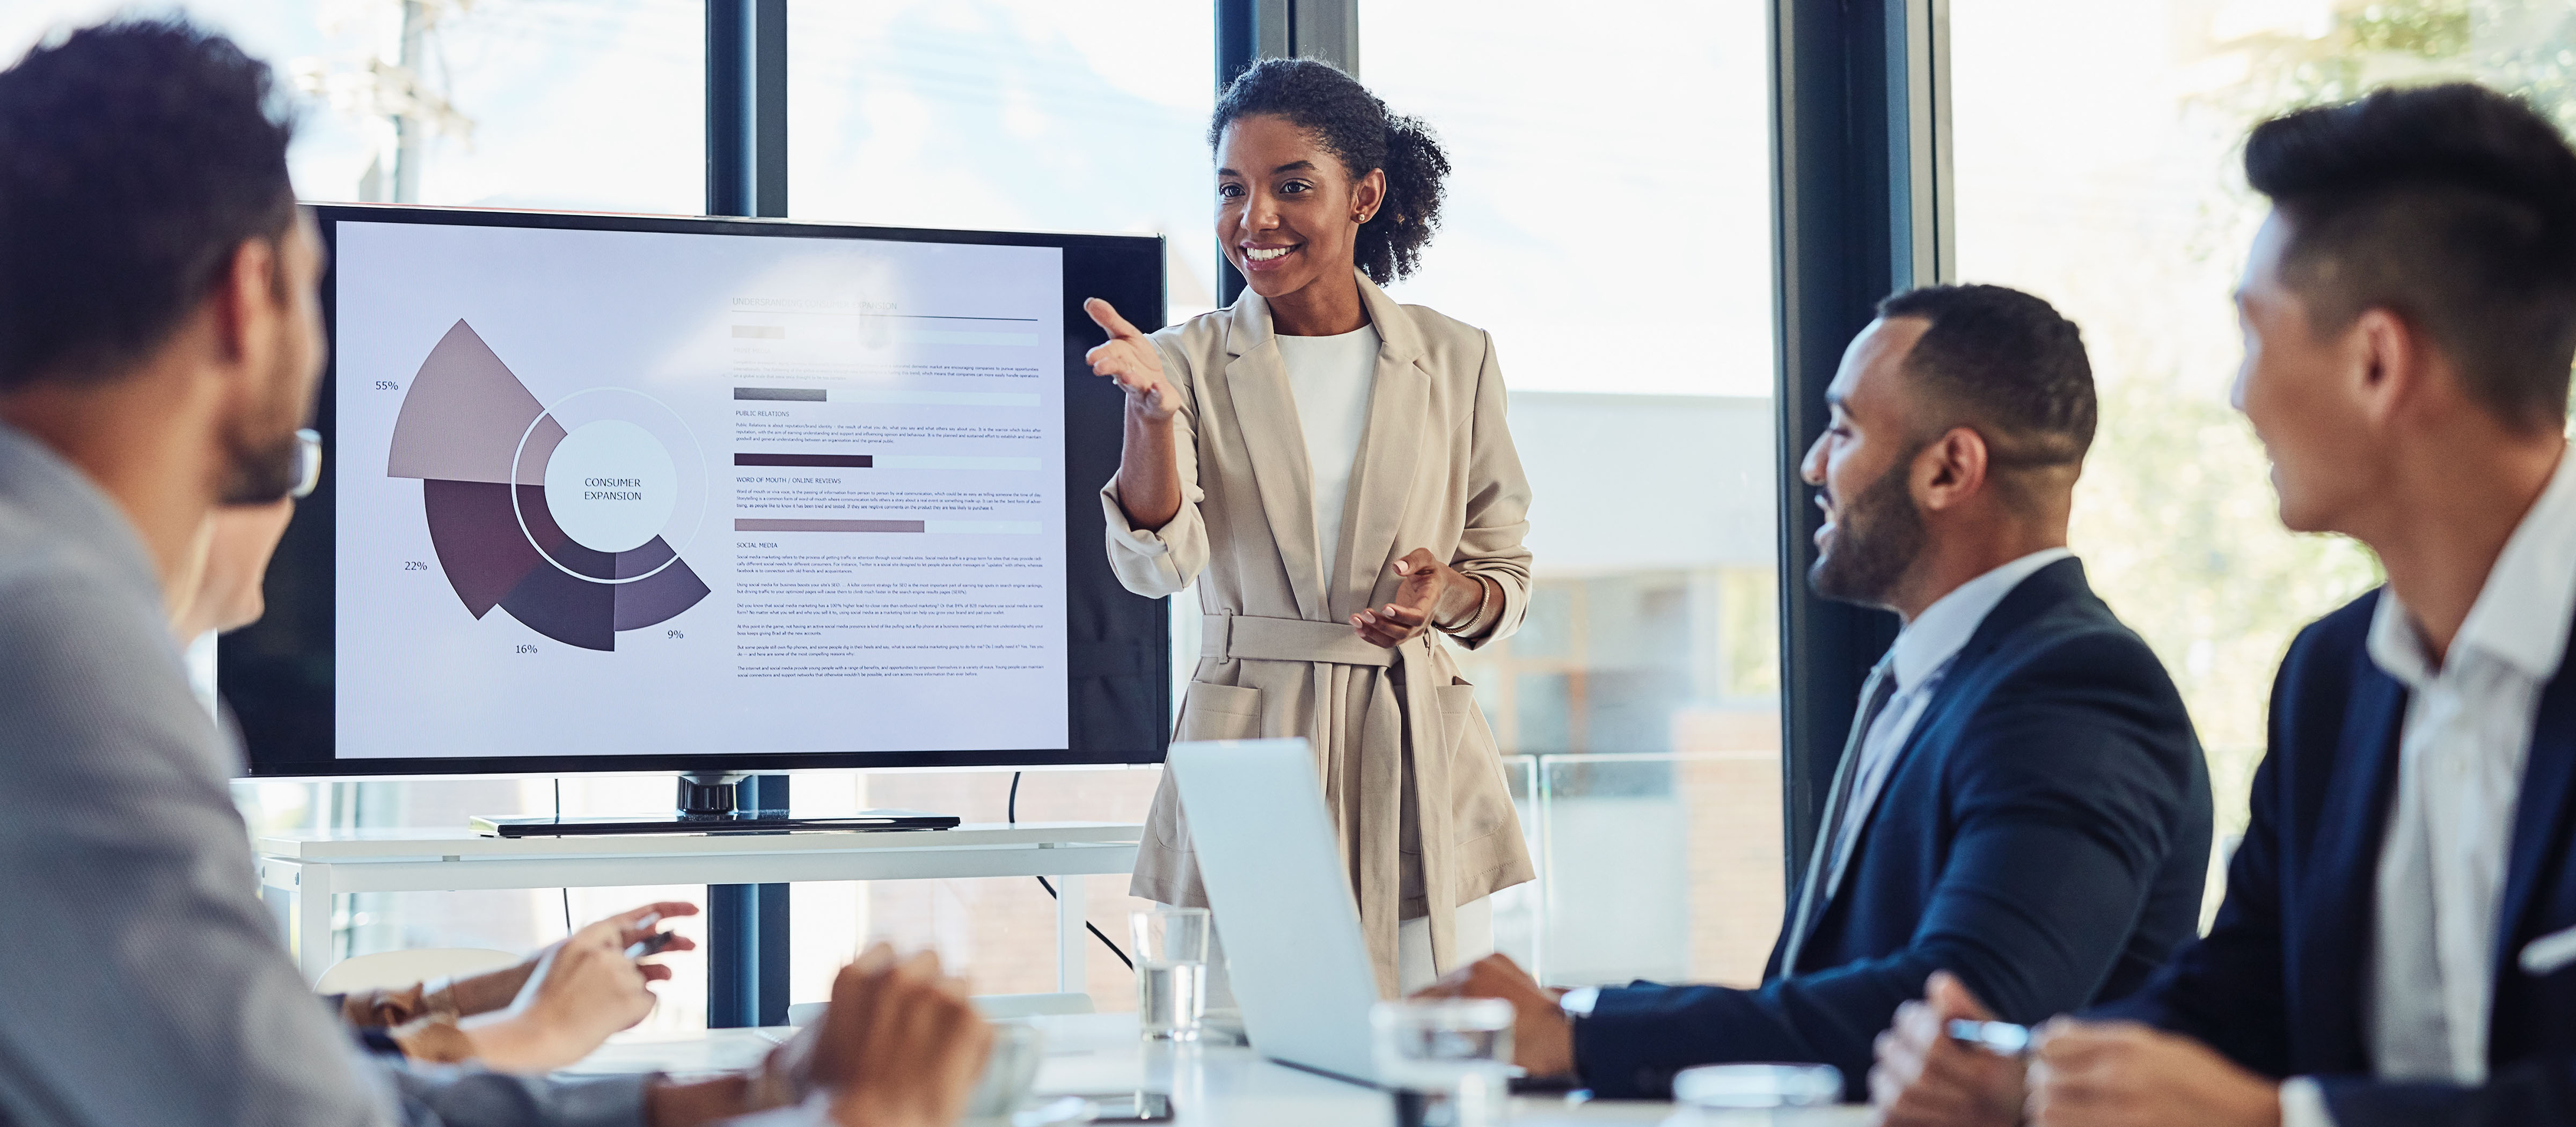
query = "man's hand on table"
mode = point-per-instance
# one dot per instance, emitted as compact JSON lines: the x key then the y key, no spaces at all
{"x":2122,"y":1074}
{"x":1925,"y":1079}
{"x":1542,"y":1036}
{"x":900,"y":1046}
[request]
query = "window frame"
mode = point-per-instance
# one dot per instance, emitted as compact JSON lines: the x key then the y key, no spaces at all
{"x":1861,"y":209}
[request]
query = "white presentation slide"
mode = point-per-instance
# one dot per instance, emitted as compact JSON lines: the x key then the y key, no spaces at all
{"x":626,"y":493}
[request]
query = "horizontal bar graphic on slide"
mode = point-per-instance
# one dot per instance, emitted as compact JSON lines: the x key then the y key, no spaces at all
{"x":749,"y":524}
{"x":937,"y":527}
{"x":946,"y":462}
{"x":936,"y":398}
{"x":818,"y":461}
{"x":895,"y":398}
{"x":761,"y":332}
{"x":954,"y":336}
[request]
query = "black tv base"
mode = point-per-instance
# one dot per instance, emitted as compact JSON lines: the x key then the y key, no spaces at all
{"x":880,"y":821}
{"x":705,"y":804}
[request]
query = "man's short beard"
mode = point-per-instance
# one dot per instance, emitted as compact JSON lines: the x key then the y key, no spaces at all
{"x":262,"y":468}
{"x":1877,"y":536}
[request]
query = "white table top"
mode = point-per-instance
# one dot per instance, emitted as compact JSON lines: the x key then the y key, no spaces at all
{"x":1210,"y":1086}
{"x":361,"y":845}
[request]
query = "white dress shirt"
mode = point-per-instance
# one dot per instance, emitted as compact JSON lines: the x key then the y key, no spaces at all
{"x":2460,"y":757}
{"x":1330,"y":379}
{"x":1922,"y":653}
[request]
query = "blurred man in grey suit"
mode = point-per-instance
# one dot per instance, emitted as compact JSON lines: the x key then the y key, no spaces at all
{"x":159,"y":346}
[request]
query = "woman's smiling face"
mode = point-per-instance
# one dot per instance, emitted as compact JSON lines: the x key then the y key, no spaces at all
{"x":1287,"y":211}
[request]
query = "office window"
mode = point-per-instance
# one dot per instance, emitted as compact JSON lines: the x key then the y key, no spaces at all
{"x":590,"y":105}
{"x":2099,"y":152}
{"x":1609,"y":222}
{"x":1082,"y":115}
{"x":1060,"y":115}
{"x":584,"y":104}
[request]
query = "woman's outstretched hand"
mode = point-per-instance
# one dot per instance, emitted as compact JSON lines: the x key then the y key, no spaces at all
{"x":1431,"y":592}
{"x":1130,"y":359}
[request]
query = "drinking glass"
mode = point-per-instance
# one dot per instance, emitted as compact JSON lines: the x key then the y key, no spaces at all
{"x":1453,"y":1054}
{"x":1171,"y":946}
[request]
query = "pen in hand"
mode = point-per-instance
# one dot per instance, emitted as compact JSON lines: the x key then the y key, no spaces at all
{"x":2001,"y":1038}
{"x":651,"y":944}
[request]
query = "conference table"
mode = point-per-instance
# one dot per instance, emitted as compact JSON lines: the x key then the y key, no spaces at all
{"x":1210,"y":1085}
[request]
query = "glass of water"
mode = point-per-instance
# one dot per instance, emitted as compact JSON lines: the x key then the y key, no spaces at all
{"x":1171,"y":947}
{"x":1453,"y":1054}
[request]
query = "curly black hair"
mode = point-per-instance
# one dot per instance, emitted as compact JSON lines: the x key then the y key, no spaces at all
{"x":141,"y":153}
{"x":1353,"y":125}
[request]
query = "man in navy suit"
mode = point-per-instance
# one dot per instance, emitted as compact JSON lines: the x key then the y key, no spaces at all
{"x":2398,"y":943}
{"x":2021,"y":800}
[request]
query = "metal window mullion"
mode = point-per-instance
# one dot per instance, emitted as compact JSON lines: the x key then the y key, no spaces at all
{"x":746,"y":122}
{"x":1861,"y":209}
{"x":746,"y":146}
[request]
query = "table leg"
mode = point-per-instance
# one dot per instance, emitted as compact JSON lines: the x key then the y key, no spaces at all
{"x":313,"y":903}
{"x":1070,"y":937}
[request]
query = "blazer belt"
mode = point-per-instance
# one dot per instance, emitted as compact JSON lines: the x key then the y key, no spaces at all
{"x":1227,"y":637}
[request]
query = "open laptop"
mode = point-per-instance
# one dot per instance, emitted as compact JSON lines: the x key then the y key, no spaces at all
{"x":1293,"y":947}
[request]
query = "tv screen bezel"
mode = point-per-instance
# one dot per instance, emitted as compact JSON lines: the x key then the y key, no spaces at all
{"x":276,"y":675}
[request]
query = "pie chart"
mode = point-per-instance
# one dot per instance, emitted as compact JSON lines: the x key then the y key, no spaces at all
{"x":562,"y":514}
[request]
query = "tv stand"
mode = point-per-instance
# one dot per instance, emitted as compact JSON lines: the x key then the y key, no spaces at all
{"x":707,"y":803}
{"x":301,"y":872}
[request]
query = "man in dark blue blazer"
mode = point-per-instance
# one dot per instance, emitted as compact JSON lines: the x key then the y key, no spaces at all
{"x":2021,"y":800}
{"x":2398,"y":942}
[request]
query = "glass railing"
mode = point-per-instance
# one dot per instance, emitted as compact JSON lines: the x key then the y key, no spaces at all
{"x":1662,"y":865}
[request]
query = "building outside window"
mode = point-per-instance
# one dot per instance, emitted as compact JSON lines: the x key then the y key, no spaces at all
{"x":1610,"y":224}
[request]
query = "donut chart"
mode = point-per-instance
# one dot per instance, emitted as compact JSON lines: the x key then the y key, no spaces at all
{"x":566,"y":527}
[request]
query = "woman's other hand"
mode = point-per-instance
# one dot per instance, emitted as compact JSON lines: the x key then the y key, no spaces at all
{"x":1432,"y":592}
{"x":484,"y":993}
{"x":1132,"y":360}
{"x":583,"y":989}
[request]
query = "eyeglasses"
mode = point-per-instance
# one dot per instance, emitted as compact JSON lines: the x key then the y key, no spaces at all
{"x":308,"y":462}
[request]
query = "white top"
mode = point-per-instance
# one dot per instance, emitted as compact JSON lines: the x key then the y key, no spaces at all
{"x":2468,"y":725}
{"x":1922,"y":653}
{"x":1330,"y":379}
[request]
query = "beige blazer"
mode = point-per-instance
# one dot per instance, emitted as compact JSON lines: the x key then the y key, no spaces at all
{"x":1419,"y":801}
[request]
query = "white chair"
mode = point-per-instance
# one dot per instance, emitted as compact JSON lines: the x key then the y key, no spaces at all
{"x":387,"y":970}
{"x":994,"y":1007}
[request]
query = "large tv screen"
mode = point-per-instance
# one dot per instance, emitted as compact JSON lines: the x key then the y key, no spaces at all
{"x":623,"y":493}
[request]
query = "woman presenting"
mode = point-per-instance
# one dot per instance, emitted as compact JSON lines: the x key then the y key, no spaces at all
{"x":1333,"y":470}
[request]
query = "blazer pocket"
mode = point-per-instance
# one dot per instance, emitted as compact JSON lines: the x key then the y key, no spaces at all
{"x":1208,"y":712}
{"x":1219,"y":712}
{"x":1479,"y":795}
